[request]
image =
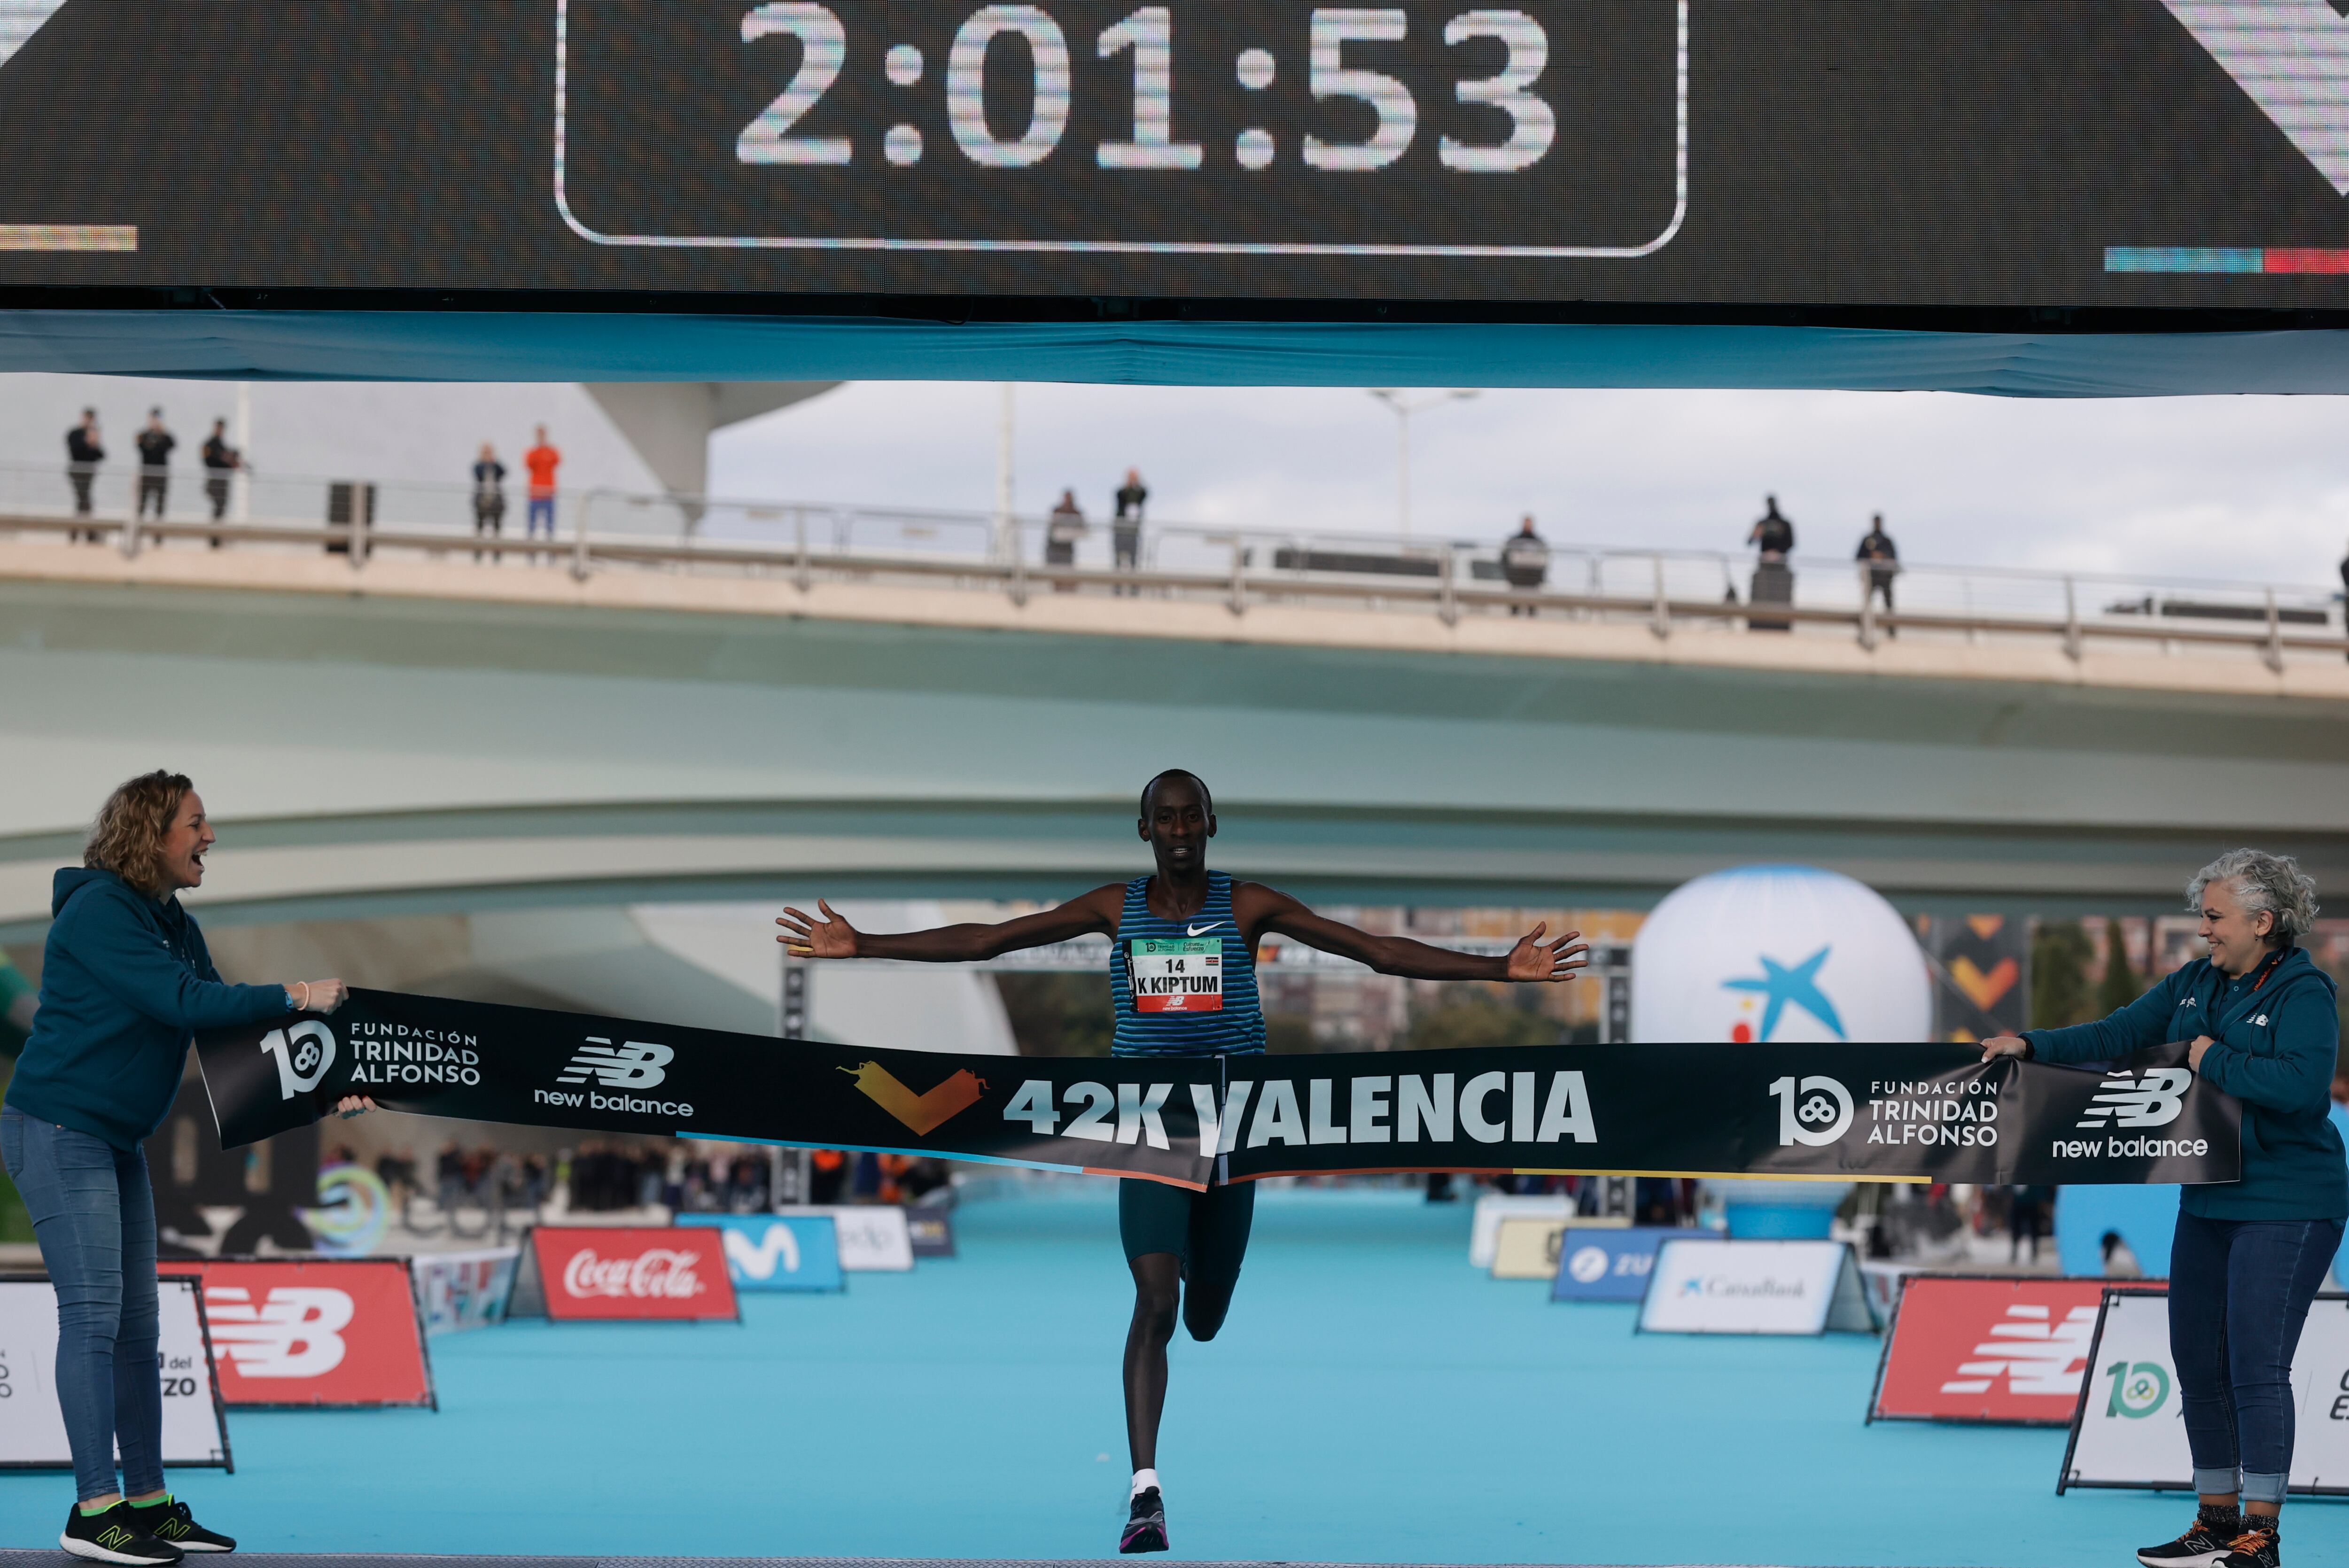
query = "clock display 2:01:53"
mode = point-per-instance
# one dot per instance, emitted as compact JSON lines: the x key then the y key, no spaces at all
{"x":1525,"y":123}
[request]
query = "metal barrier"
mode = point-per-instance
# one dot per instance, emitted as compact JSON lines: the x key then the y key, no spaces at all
{"x":1671,"y":593}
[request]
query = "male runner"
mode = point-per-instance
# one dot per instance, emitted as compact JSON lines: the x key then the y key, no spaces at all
{"x":1194,"y":923}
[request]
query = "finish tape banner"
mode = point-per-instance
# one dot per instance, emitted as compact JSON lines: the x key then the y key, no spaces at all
{"x":1841,"y":1111}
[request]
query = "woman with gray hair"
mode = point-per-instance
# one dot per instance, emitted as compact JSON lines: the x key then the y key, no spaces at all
{"x":2249,"y":1254}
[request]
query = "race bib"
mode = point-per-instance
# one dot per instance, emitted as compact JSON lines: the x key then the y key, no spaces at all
{"x":1176,"y":975}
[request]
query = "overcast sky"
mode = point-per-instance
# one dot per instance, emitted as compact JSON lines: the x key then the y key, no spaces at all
{"x":2242,"y":488}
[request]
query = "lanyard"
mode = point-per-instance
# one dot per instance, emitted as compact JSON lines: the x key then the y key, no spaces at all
{"x":2259,"y":977}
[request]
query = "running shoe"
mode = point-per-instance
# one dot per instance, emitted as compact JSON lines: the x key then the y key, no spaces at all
{"x":1146,"y":1530}
{"x":169,"y":1521}
{"x":2256,"y":1547}
{"x":2203,"y":1545}
{"x":114,"y":1537}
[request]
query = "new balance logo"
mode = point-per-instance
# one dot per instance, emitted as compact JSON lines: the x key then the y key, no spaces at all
{"x":2124,"y":1101}
{"x":297,"y":1332}
{"x":632,"y":1064}
{"x":2036,"y":1355}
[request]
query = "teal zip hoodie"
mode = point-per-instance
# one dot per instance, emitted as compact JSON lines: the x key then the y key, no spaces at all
{"x":126,"y":980}
{"x":2276,"y":1034}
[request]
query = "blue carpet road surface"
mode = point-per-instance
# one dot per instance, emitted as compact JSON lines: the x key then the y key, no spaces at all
{"x":1372,"y":1399}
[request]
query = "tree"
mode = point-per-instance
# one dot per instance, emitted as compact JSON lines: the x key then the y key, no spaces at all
{"x":2059,"y":974}
{"x":1058,"y":1014}
{"x":2120,"y":986}
{"x":1470,"y":1015}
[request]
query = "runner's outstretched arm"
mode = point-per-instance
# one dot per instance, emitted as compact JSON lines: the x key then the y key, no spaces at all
{"x":829,"y":935}
{"x":1531,"y":959}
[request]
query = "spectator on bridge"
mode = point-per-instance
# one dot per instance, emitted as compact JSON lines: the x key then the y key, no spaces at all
{"x":489,"y":496}
{"x":1875,"y":548}
{"x":1060,"y":535}
{"x":220,"y":459}
{"x":155,"y":444}
{"x":2249,"y":1254}
{"x":541,"y":461}
{"x":1774,"y":579}
{"x":2344,"y":580}
{"x":126,"y":980}
{"x":1525,"y":563}
{"x":84,"y":451}
{"x":1126,"y":533}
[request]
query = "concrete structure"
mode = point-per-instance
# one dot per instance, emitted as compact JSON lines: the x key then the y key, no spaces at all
{"x":431,"y":736}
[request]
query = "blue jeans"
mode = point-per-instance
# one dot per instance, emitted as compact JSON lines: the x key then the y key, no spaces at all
{"x":542,"y":509}
{"x":94,"y":1214}
{"x":2239,"y":1292}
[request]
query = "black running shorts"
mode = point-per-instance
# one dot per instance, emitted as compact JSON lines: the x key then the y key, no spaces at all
{"x":1208,"y":1231}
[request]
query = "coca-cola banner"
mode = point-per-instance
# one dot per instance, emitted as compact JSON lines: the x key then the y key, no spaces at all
{"x":302,"y":1333}
{"x":583,"y":1274}
{"x":1934,"y":1112}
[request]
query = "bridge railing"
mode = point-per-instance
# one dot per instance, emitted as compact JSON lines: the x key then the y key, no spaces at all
{"x":1671,"y":593}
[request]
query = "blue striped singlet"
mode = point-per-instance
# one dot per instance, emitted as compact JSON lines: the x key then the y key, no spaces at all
{"x":1182,"y":987}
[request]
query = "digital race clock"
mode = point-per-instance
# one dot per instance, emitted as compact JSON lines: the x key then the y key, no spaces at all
{"x":1526,"y":130}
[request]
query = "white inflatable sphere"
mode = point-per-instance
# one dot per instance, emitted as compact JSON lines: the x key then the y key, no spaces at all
{"x":1772,"y":954}
{"x":1777,"y":953}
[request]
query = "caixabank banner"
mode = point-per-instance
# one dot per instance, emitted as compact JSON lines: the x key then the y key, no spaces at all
{"x":1934,"y":1112}
{"x":2007,"y":1352}
{"x":598,"y":1274}
{"x":2129,"y":1432}
{"x":296,"y":1333}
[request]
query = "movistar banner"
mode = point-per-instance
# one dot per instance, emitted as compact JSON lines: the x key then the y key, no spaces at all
{"x":1920,"y":1111}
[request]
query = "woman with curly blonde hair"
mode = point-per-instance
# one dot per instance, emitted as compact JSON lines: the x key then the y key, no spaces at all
{"x":2249,"y":1254}
{"x":126,"y":980}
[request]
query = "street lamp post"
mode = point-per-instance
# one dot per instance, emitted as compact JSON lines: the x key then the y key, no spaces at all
{"x":1403,"y":409}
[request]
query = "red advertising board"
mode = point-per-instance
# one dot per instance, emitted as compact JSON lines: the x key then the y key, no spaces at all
{"x":2011,"y":1351}
{"x":632,"y":1272}
{"x":299,"y":1333}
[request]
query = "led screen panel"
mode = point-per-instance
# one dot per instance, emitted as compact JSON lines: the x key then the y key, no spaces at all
{"x":1728,"y":156}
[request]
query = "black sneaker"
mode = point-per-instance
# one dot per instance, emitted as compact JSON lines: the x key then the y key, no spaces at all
{"x":114,"y":1536}
{"x":169,"y":1521}
{"x":1146,"y":1530}
{"x":2256,"y":1547}
{"x":2203,"y":1545}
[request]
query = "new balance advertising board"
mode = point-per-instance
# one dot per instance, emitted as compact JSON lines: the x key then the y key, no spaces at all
{"x":777,"y":1252}
{"x":577,"y":1273}
{"x":1925,"y":1111}
{"x":2129,"y":1432}
{"x":33,"y":1427}
{"x":1611,"y":1263}
{"x":2010,"y":1352}
{"x":294,"y":1334}
{"x":1712,"y":1287}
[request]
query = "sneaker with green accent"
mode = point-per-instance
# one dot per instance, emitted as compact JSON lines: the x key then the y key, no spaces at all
{"x":113,"y":1536}
{"x":169,"y":1521}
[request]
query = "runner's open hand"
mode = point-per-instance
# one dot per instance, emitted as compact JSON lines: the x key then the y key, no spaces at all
{"x":804,"y":936}
{"x":1534,"y":959}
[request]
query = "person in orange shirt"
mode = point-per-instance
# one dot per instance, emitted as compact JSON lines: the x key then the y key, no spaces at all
{"x":541,"y":461}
